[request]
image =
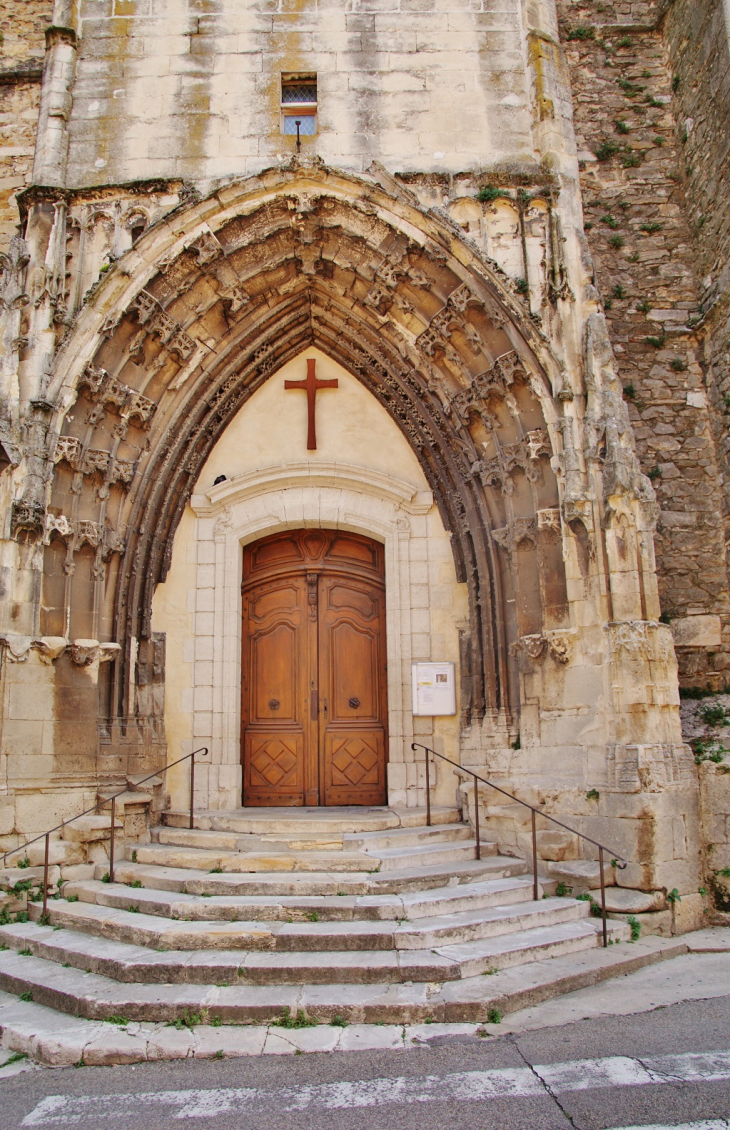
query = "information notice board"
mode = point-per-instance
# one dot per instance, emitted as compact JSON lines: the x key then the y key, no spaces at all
{"x":434,"y":688}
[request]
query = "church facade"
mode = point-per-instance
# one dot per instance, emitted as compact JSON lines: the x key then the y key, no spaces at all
{"x":308,"y":383}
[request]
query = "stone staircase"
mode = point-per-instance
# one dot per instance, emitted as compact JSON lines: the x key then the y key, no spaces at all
{"x":363,"y":914}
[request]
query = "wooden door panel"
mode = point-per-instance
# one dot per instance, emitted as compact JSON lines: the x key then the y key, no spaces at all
{"x":275,"y":768}
{"x":354,"y":674}
{"x":352,"y":683}
{"x":354,"y":766}
{"x":274,"y":692}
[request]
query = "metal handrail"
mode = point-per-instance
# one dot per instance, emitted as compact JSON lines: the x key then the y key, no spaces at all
{"x":616,"y":859}
{"x":109,"y":800}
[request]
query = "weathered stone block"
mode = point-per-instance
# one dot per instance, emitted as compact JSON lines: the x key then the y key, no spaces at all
{"x":697,"y":631}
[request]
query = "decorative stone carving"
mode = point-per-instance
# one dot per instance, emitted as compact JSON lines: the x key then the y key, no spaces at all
{"x":85,"y":652}
{"x":150,"y":314}
{"x":560,"y":644}
{"x":649,"y":768}
{"x":521,"y":531}
{"x":50,"y":648}
{"x":235,"y":299}
{"x":108,"y":392}
{"x":499,"y":379}
{"x":206,"y":247}
{"x":533,"y":646}
{"x":548,"y":522}
{"x":450,"y":318}
{"x":523,"y":455}
{"x":81,"y":531}
{"x":27,"y":520}
{"x":14,"y":267}
{"x":93,"y":461}
{"x":16,"y":646}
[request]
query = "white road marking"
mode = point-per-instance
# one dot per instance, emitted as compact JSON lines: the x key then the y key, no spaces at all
{"x":465,"y":1086}
{"x":707,"y":1124}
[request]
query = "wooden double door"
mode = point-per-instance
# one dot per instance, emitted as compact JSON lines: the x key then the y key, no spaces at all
{"x":314,"y":709}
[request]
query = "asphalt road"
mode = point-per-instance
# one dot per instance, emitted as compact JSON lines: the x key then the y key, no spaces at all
{"x":669,"y":1067}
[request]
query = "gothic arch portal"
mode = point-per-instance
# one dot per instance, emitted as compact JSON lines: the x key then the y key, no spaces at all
{"x":531,"y":465}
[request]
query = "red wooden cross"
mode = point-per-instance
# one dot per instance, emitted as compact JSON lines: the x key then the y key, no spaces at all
{"x":311,"y":386}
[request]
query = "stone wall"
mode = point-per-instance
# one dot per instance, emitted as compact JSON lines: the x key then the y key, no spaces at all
{"x":642,"y":233}
{"x":698,"y":40}
{"x":183,"y":88}
{"x":21,"y":63}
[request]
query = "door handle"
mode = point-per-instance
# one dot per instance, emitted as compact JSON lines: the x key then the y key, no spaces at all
{"x":314,"y":706}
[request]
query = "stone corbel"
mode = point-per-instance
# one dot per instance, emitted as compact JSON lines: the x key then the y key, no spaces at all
{"x":533,"y":647}
{"x":17,"y":647}
{"x":50,"y":648}
{"x":86,"y":652}
{"x":557,"y":643}
{"x":560,"y":644}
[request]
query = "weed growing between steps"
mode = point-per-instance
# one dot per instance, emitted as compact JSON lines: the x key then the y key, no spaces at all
{"x":187,"y":1020}
{"x":301,"y":1020}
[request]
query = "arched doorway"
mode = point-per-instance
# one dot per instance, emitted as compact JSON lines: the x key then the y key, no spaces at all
{"x":313,"y":687}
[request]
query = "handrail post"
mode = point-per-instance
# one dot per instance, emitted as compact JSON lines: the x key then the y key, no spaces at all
{"x":534,"y":856}
{"x":603,"y":898}
{"x":45,"y":874}
{"x":476,"y":816}
{"x":111,"y":841}
{"x":192,"y":786}
{"x":428,"y":793}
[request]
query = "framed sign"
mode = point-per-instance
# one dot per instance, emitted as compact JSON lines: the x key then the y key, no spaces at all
{"x":434,"y":688}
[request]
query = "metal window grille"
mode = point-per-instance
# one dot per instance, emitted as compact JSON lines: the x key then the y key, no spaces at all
{"x":307,"y":124}
{"x":298,"y":93}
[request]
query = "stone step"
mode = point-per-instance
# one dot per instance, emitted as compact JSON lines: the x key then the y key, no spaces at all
{"x":98,"y":996}
{"x":331,"y":908}
{"x":205,"y":859}
{"x":314,"y":883}
{"x":426,"y":855}
{"x":375,"y":842}
{"x":286,"y":841}
{"x":58,"y":1039}
{"x":309,"y":936}
{"x":309,"y":820}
